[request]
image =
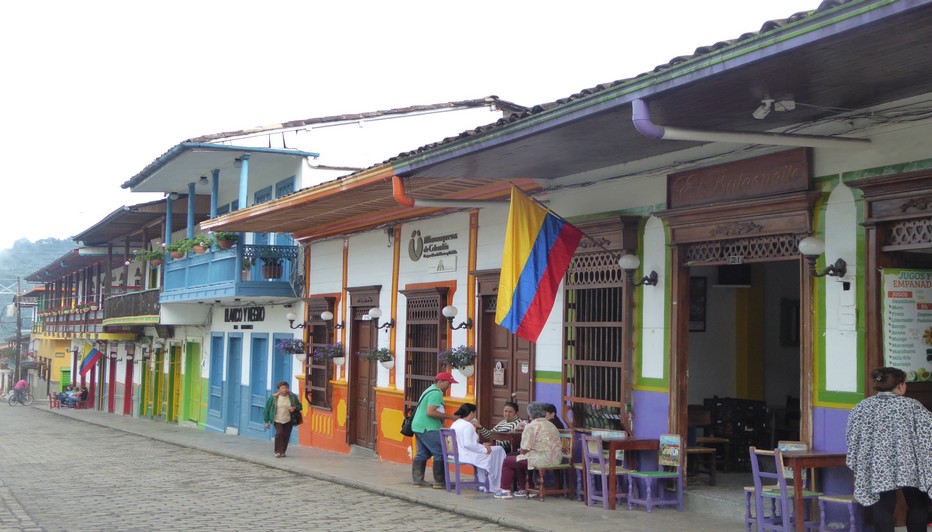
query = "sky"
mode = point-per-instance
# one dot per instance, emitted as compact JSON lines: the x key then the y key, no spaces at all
{"x":93,"y":91}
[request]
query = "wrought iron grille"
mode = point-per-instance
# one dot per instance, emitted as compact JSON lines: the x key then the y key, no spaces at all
{"x":753,"y":249}
{"x":320,"y":373}
{"x":424,"y":336}
{"x":594,"y":336}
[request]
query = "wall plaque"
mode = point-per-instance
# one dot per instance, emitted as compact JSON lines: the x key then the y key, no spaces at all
{"x":788,"y":171}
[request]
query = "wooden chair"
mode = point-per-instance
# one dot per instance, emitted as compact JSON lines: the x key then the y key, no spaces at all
{"x":595,"y":464}
{"x":781,"y":494}
{"x":451,"y":455}
{"x":563,"y":474}
{"x":53,"y":401}
{"x":670,"y":467}
{"x":848,"y":501}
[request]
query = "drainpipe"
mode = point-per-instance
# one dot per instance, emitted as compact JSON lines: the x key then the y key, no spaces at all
{"x":640,"y":116}
{"x":401,"y":196}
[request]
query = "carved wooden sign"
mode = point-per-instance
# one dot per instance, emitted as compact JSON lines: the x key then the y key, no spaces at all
{"x":788,"y":171}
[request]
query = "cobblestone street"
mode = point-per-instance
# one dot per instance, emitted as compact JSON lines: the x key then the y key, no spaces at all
{"x":61,"y":474}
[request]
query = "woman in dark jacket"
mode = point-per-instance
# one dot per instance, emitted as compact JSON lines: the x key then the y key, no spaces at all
{"x":278,"y":409}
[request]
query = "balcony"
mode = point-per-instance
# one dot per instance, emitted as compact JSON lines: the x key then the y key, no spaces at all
{"x":132,"y":308}
{"x":220,"y":273}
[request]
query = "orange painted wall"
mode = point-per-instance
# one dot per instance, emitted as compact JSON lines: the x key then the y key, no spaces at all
{"x":389,"y":407}
{"x":326,"y":429}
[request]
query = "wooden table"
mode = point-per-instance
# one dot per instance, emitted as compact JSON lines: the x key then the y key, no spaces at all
{"x":514,"y":438}
{"x":799,"y":460}
{"x":625,"y":445}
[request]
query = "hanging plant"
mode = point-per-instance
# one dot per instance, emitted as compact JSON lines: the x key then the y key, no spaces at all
{"x":327,"y":351}
{"x":291,"y":345}
{"x":458,"y":357}
{"x":381,"y":354}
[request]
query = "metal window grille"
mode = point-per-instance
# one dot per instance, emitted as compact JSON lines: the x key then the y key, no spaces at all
{"x":321,"y":372}
{"x":594,"y":338}
{"x":425,"y":333}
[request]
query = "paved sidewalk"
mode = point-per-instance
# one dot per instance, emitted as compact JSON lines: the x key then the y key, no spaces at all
{"x":386,"y":478}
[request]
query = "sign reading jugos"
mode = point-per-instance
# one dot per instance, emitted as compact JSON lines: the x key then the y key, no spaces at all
{"x":907,"y":322}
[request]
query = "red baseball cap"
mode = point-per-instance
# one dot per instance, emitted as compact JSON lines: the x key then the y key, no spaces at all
{"x":445,"y":376}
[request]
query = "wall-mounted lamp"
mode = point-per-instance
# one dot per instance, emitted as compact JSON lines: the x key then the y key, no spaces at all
{"x":374,"y":314}
{"x":327,"y":316}
{"x":173,"y":196}
{"x":129,"y":358}
{"x":145,"y":353}
{"x":629,"y":263}
{"x":812,"y":248}
{"x":449,"y":312}
{"x":291,"y":317}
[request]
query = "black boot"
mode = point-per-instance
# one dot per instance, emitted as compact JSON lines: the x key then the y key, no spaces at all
{"x":439,"y":471}
{"x":417,"y":474}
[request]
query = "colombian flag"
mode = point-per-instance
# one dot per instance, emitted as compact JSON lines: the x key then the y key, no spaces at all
{"x":538,"y":248}
{"x":89,"y":360}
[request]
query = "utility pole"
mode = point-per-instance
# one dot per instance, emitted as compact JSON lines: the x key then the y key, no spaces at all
{"x":19,"y":331}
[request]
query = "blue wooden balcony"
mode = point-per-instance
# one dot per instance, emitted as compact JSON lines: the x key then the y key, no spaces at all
{"x":219,"y":273}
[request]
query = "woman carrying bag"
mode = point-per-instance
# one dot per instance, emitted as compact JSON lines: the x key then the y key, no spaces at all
{"x":279,"y":409}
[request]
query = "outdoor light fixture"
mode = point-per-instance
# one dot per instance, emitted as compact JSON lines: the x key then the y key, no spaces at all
{"x":291,"y":317}
{"x":629,"y":263}
{"x":173,"y":196}
{"x":327,"y":316}
{"x":812,"y":248}
{"x":374,"y":314}
{"x":449,"y":312}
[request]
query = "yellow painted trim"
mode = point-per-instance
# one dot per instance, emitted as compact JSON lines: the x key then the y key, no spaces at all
{"x":827,"y":404}
{"x":344,"y":302}
{"x":661,"y":389}
{"x":391,"y":392}
{"x":132,"y":320}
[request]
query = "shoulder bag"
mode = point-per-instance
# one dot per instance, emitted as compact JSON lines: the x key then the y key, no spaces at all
{"x":296,"y":417}
{"x":406,"y":429}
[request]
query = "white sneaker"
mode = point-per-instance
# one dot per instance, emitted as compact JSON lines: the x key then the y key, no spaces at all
{"x":503,"y":494}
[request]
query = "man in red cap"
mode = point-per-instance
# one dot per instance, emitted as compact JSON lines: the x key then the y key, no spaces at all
{"x":426,"y":424}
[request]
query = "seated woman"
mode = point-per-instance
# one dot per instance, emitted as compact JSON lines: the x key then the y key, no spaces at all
{"x":76,"y":398}
{"x":511,"y":423}
{"x":540,"y":447}
{"x":487,"y":458}
{"x":552,"y":416}
{"x":69,"y":391}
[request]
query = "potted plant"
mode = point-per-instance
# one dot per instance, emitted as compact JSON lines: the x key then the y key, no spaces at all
{"x":201,"y":243}
{"x":271,"y":267}
{"x":179,"y":248}
{"x":382,"y":355}
{"x":246,"y":267}
{"x":460,"y":358}
{"x":294,"y":346}
{"x":153,"y":257}
{"x":336,"y":352}
{"x":225,"y":240}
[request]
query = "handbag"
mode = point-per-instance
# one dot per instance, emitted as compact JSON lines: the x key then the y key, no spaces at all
{"x":406,"y":429}
{"x":297,"y":418}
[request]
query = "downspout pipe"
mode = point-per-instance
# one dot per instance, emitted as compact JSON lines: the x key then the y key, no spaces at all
{"x":402,"y":197}
{"x":640,"y":116}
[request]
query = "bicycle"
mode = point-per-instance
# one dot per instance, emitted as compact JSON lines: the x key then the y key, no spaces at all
{"x":26,"y":399}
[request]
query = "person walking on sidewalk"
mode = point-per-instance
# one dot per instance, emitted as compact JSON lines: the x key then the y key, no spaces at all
{"x":426,"y":424}
{"x":278,"y":409}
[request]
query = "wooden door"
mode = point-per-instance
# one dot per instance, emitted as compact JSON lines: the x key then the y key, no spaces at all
{"x":363,"y":376}
{"x":506,"y":367}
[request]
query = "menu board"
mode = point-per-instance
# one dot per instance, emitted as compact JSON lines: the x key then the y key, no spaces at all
{"x":907,"y":322}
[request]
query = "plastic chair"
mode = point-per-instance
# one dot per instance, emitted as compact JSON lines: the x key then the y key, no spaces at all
{"x":848,"y":501}
{"x":670,"y":462}
{"x":561,"y":472}
{"x":782,"y":522}
{"x":452,"y":456}
{"x":596,"y":464}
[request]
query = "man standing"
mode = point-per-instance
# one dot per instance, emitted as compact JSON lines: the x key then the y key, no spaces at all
{"x":426,"y":424}
{"x":20,"y":389}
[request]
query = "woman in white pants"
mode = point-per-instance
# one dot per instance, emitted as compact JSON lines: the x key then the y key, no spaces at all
{"x":487,"y":458}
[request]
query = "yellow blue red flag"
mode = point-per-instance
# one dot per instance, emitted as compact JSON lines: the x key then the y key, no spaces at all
{"x":538,"y":248}
{"x":90,"y":359}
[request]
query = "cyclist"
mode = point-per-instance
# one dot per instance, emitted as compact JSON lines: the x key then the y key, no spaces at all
{"x":20,"y":390}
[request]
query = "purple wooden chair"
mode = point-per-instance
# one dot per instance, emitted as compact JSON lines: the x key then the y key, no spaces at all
{"x":854,"y":510}
{"x":451,"y":455}
{"x":782,"y":521}
{"x":670,"y":467}
{"x":595,"y":465}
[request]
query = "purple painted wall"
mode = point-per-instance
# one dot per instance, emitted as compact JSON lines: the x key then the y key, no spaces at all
{"x":651,"y":414}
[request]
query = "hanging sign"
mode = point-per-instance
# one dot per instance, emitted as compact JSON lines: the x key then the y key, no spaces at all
{"x":907,"y":322}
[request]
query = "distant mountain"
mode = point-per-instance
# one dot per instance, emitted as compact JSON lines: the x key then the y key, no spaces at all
{"x":24,"y":258}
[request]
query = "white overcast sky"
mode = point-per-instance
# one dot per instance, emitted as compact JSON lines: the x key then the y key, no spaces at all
{"x":93,"y":91}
